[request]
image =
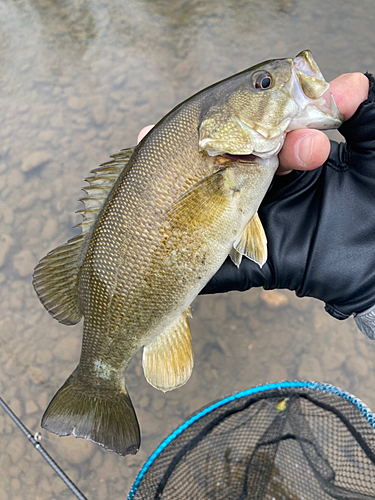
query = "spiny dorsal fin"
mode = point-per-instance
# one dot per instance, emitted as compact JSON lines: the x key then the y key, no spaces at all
{"x":252,"y":243}
{"x":168,"y":360}
{"x":101,"y":184}
{"x":55,"y":278}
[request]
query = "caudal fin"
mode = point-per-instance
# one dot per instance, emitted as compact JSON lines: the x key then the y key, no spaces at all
{"x":107,"y":419}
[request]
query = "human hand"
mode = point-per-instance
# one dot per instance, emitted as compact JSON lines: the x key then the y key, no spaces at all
{"x":306,"y":149}
{"x":319,"y":223}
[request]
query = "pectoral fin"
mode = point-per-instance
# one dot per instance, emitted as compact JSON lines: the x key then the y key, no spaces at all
{"x":168,"y":360}
{"x":252,"y":243}
{"x":235,"y":256}
{"x":206,"y":201}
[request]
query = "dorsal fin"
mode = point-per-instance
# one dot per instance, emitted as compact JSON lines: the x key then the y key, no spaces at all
{"x":101,"y":184}
{"x":55,"y":278}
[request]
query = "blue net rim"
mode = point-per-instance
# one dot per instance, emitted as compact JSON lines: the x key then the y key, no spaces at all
{"x":364,"y":410}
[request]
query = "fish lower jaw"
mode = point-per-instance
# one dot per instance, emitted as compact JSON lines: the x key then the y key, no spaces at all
{"x":222,"y":157}
{"x":271,"y":153}
{"x":225,"y":158}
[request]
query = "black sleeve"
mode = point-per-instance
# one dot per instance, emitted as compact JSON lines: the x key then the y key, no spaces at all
{"x":320,"y":226}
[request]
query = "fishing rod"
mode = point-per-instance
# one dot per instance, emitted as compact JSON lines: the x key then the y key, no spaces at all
{"x":35,"y":441}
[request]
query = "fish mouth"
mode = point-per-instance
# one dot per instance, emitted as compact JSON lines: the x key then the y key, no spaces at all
{"x":224,"y":159}
{"x":310,"y":90}
{"x":241,"y":158}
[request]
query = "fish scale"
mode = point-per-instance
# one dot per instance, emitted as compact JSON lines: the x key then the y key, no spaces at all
{"x":158,"y":222}
{"x":163,"y":189}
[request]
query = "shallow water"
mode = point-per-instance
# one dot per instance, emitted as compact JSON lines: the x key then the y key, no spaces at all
{"x":79,"y":79}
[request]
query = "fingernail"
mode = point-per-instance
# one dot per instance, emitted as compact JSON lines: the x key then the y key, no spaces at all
{"x":303,"y":149}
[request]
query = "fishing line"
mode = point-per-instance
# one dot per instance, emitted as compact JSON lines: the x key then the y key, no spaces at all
{"x":34,"y":440}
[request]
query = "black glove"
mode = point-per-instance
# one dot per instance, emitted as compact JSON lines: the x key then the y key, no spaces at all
{"x":320,"y":226}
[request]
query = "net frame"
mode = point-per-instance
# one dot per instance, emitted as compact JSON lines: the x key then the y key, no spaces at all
{"x":317,"y":386}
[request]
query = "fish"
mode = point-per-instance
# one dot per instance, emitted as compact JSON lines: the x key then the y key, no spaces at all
{"x":159,"y":220}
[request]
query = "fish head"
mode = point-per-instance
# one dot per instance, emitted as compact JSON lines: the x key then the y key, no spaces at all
{"x":253,"y":111}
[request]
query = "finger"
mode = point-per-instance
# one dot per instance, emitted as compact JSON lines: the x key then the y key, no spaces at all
{"x":303,"y":149}
{"x":308,"y":149}
{"x":349,"y":91}
{"x":144,"y":132}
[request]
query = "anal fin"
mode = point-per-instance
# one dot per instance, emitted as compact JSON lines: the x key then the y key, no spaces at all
{"x":252,"y":243}
{"x":168,"y":360}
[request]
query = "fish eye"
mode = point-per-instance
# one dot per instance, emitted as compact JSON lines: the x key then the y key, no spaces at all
{"x":262,"y":81}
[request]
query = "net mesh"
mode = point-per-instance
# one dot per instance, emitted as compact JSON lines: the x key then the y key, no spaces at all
{"x":283,"y":443}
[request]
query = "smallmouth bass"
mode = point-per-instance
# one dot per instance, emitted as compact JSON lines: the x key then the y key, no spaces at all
{"x":158,"y":222}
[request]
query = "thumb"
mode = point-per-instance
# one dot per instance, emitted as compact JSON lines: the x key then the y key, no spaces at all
{"x":304,"y":149}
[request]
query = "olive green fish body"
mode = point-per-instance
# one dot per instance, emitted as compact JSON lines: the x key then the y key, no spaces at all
{"x":117,"y":271}
{"x":145,"y":275}
{"x":159,"y":221}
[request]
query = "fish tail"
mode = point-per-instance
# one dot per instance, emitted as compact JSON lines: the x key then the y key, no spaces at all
{"x":104,"y":416}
